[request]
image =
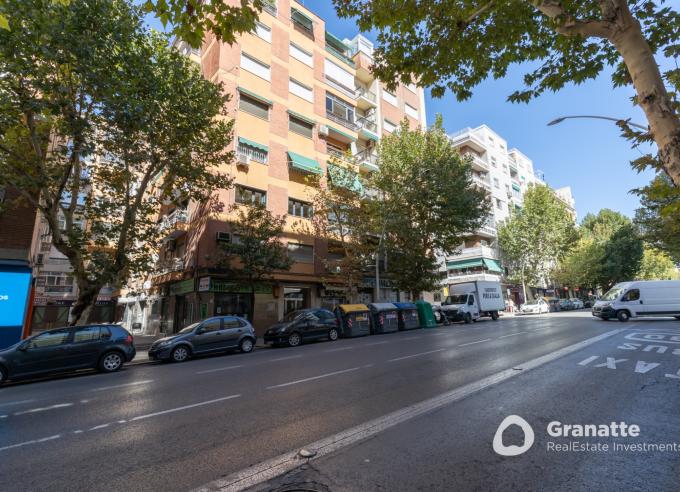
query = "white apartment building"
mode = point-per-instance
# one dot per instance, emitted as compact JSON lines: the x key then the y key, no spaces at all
{"x":506,"y":174}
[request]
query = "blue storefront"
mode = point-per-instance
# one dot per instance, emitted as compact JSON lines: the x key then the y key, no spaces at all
{"x":15,"y":287}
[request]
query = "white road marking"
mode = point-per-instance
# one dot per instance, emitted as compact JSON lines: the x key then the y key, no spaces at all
{"x":313,"y":378}
{"x":339,"y":349}
{"x":136,"y":383}
{"x":97,"y":427}
{"x":3,"y":416}
{"x":218,"y":369}
{"x":19,"y":402}
{"x":588,"y":360}
{"x":78,"y":431}
{"x":284,"y":463}
{"x":416,"y":355}
{"x":43,"y":409}
{"x":32,"y":441}
{"x":185,"y":407}
{"x":514,"y":334}
{"x":286,"y":358}
{"x":472,"y":343}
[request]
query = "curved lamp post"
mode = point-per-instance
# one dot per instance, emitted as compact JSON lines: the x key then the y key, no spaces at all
{"x":616,"y":120}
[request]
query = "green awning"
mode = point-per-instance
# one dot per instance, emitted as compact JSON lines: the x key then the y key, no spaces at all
{"x":346,"y":135}
{"x":345,"y":178}
{"x":255,"y":96}
{"x":369,"y":134}
{"x":335,"y":41}
{"x":245,"y":141}
{"x":302,"y":117}
{"x":461,"y":264}
{"x":515,"y":187}
{"x":304,"y":164}
{"x":302,"y":18}
{"x":493,"y":265}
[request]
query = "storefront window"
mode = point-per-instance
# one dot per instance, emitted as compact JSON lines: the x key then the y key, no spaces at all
{"x":236,"y":304}
{"x":295,"y":298}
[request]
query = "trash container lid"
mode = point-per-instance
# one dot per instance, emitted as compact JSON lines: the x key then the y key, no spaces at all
{"x":382,"y":306}
{"x":352,"y":308}
{"x":405,"y":305}
{"x":421,"y":302}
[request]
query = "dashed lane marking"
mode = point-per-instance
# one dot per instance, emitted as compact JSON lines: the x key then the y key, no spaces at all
{"x":313,"y":378}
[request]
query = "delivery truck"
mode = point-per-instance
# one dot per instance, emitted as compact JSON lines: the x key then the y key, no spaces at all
{"x":470,"y":301}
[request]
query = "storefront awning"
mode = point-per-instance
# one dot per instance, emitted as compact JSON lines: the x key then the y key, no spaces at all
{"x":345,"y":178}
{"x":251,"y":143}
{"x":304,"y":164}
{"x":461,"y":264}
{"x":493,"y":265}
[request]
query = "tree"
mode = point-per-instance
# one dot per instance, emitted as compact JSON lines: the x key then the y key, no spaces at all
{"x":621,"y":257}
{"x":256,"y":250}
{"x":459,"y":43}
{"x":578,"y":265}
{"x":427,"y":203}
{"x":656,"y":265}
{"x":117,"y":123}
{"x":536,"y":236}
{"x":659,"y":216}
{"x":340,"y":218}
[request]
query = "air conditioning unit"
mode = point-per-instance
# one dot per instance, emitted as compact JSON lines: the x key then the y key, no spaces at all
{"x":323,"y":130}
{"x":243,"y":160}
{"x":223,"y":237}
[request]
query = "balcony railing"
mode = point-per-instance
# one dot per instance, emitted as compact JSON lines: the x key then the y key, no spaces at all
{"x":476,"y":252}
{"x":366,"y":94}
{"x":368,"y":124}
{"x":177,"y":219}
{"x":482,"y":182}
{"x":340,"y":56}
{"x":255,"y":154}
{"x":367,"y":155}
{"x":169,"y":266}
{"x":342,"y":156}
{"x":270,"y":6}
{"x":343,"y":121}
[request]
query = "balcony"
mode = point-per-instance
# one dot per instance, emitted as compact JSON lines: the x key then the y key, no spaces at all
{"x":175,"y":224}
{"x":365,"y":99}
{"x":466,"y":137}
{"x":470,"y":277}
{"x":488,"y":230}
{"x":368,"y":160}
{"x":342,"y":120}
{"x":341,"y":156}
{"x":339,"y":55}
{"x":269,"y":6}
{"x":478,"y":163}
{"x":476,"y":252}
{"x":482,"y":182}
{"x":170,"y":266}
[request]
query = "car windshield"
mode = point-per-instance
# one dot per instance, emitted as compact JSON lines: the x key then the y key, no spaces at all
{"x":612,"y":294}
{"x":292,"y":316}
{"x":189,"y":328}
{"x":459,"y":299}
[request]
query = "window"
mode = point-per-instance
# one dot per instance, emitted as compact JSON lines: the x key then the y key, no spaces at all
{"x":499,"y":204}
{"x":339,"y":77}
{"x":300,"y":209}
{"x":253,"y":106}
{"x":411,"y":111}
{"x":496,"y":184}
{"x":631,"y":295}
{"x":337,"y":107}
{"x":250,"y":196}
{"x":264,"y":32}
{"x":56,"y":282}
{"x":390,"y":98}
{"x":388,"y":126}
{"x":299,"y":126}
{"x":255,"y":153}
{"x":231,"y":323}
{"x":86,"y":334}
{"x":301,"y":90}
{"x":493,"y":162}
{"x":211,"y":325}
{"x":302,"y":253}
{"x":301,"y":55}
{"x":255,"y":66}
{"x":412,"y":87}
{"x":50,"y":339}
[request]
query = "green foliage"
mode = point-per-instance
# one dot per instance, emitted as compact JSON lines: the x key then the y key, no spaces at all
{"x":536,"y":236}
{"x":256,"y":251}
{"x":114,"y":121}
{"x":659,"y":216}
{"x":656,"y":265}
{"x":426,"y":203}
{"x":621,"y":257}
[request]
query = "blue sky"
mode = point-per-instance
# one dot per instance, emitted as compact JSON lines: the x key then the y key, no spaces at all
{"x":588,"y":155}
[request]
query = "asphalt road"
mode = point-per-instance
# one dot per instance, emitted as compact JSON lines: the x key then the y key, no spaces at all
{"x":180,"y":426}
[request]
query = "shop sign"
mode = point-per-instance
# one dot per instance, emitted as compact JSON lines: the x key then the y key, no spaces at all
{"x":204,"y":284}
{"x":236,"y":288}
{"x":182,"y":287}
{"x":385,"y":283}
{"x":40,"y":301}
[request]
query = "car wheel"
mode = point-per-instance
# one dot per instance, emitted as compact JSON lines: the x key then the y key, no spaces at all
{"x":294,"y":339}
{"x":333,"y":334}
{"x":3,"y":374}
{"x":110,"y":362}
{"x":246,"y":345}
{"x":180,"y":353}
{"x":494,"y":316}
{"x":467,"y":318}
{"x":623,"y":316}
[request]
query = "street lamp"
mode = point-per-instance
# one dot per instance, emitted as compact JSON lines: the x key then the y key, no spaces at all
{"x":616,"y":120}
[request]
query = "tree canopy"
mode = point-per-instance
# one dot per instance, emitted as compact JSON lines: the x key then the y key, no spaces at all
{"x":656,"y":265}
{"x":659,"y":215}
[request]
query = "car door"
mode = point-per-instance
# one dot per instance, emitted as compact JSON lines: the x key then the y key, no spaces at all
{"x":43,"y":353}
{"x":208,"y":336}
{"x":633,"y":302}
{"x":472,"y":306}
{"x":83,"y":351}
{"x":233,"y":329}
{"x":327,"y":321}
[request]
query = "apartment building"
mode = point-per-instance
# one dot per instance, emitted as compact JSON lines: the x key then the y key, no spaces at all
{"x":506,"y":173}
{"x":300,"y":95}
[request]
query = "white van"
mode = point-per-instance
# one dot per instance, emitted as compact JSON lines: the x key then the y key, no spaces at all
{"x":640,"y":298}
{"x":469,"y":301}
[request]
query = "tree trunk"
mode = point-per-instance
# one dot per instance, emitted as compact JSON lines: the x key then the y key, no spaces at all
{"x":651,"y":93}
{"x":87,"y":296}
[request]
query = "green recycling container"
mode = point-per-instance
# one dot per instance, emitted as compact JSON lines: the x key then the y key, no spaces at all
{"x":426,"y":314}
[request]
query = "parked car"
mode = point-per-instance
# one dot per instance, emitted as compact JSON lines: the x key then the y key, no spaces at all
{"x":217,"y":334}
{"x":566,"y":305}
{"x":642,"y":298}
{"x":576,"y":303}
{"x":539,"y":306}
{"x":103,"y":347}
{"x":303,"y":324}
{"x":553,"y":303}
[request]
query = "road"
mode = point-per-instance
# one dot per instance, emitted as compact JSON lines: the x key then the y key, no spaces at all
{"x":423,"y":405}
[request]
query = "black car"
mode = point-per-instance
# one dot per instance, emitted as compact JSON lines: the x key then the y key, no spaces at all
{"x":217,"y":334}
{"x":303,"y":324}
{"x":103,"y":347}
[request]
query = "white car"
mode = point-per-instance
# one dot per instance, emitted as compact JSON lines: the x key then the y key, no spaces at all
{"x":537,"y":307}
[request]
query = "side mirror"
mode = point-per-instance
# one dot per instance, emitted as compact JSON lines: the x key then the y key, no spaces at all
{"x":23,"y":347}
